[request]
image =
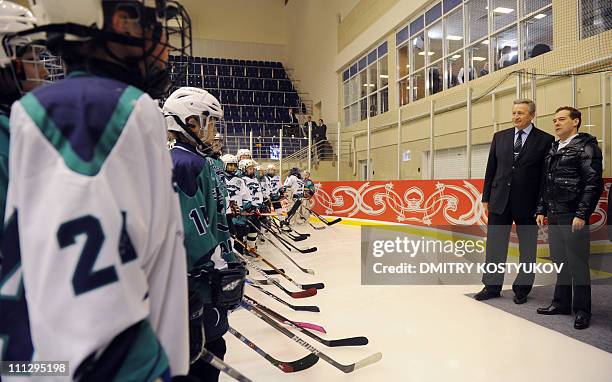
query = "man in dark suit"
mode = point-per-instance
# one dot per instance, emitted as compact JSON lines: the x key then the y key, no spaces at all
{"x":291,"y":126}
{"x":321,"y":132}
{"x":510,"y":194}
{"x":309,"y":124}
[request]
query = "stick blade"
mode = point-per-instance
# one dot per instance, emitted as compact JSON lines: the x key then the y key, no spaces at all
{"x":309,"y":250}
{"x":299,"y":365}
{"x":273,"y":271}
{"x":352,"y":341}
{"x":305,"y":308}
{"x":316,"y":286}
{"x":304,"y":293}
{"x":338,"y":220}
{"x":366,"y":362}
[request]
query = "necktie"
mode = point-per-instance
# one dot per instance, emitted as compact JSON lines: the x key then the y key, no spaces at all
{"x":518,"y":144}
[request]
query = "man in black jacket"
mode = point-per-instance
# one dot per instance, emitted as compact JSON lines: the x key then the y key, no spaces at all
{"x":510,"y":194}
{"x":571,"y":187}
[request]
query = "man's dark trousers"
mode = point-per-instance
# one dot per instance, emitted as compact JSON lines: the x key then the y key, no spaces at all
{"x":571,"y":249}
{"x":498,"y":237}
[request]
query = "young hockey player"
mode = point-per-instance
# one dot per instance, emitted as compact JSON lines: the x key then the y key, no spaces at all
{"x":238,"y":201}
{"x":192,"y":115}
{"x":102,"y":261}
{"x":21,"y":70}
{"x":294,"y":186}
{"x":275,"y":186}
{"x":265,"y":188}
{"x":244,"y":154}
{"x":247,"y":167}
{"x":309,"y":186}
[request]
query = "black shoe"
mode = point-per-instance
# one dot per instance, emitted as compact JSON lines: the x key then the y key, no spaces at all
{"x":583,"y":319}
{"x":486,"y":294}
{"x":519,"y":299}
{"x":553,"y":310}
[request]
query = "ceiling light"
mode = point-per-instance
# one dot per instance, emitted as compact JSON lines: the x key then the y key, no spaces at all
{"x":384,"y":76}
{"x":428,"y":53}
{"x":485,"y":42}
{"x":456,"y":56}
{"x":539,"y":16}
{"x":454,"y":38}
{"x":477,"y":58}
{"x":503,"y":10}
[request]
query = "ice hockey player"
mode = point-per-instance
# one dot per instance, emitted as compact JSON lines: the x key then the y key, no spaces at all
{"x":21,"y":70}
{"x":217,"y":147}
{"x":239,"y":202}
{"x":192,"y":115}
{"x":275,"y":186}
{"x":265,"y":188}
{"x":103,"y":263}
{"x":247,"y":167}
{"x":244,"y":154}
{"x":309,"y":186}
{"x":294,"y":187}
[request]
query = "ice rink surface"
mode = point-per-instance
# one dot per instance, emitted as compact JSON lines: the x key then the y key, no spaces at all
{"x":425,"y":333}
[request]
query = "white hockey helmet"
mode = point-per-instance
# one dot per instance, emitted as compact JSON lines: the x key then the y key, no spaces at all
{"x":246,"y":163}
{"x":188,"y":102}
{"x":13,"y":18}
{"x":229,"y":159}
{"x":242,"y":152}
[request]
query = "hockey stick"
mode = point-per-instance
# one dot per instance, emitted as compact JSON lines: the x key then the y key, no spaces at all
{"x":287,"y":367}
{"x":280,"y":271}
{"x":327,"y":222}
{"x":273,"y":271}
{"x":285,"y":242}
{"x":276,"y":219}
{"x":297,"y":308}
{"x":305,"y":270}
{"x":301,"y":294}
{"x":352,"y":341}
{"x":290,"y":235}
{"x":264,"y":281}
{"x":344,"y":368}
{"x":286,"y":321}
{"x":222,"y":366}
{"x":312,"y":225}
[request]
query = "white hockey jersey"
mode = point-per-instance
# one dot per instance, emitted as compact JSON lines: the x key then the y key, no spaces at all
{"x":237,"y":192}
{"x":294,"y":185}
{"x":274,"y":182}
{"x":254,"y":188}
{"x":265,"y":187}
{"x":99,"y":228}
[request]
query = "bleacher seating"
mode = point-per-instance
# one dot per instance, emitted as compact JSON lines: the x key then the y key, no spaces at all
{"x":255,"y":95}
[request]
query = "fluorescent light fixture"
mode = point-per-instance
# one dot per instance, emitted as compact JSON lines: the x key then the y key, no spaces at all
{"x":478,"y":58}
{"x":485,"y":42}
{"x":371,"y":85}
{"x":503,"y":10}
{"x":384,"y":76}
{"x":454,"y":38}
{"x":589,"y":125}
{"x":456,"y":56}
{"x":407,"y":65}
{"x":428,"y":53}
{"x":539,"y":16}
